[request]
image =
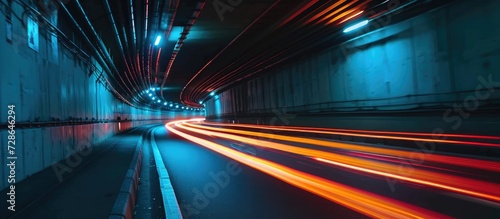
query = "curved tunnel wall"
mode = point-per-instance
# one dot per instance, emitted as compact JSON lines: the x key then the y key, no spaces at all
{"x":426,"y":61}
{"x":59,"y":108}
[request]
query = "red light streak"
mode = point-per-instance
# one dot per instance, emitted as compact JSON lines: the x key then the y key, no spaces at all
{"x":439,"y":180}
{"x":362,"y":201}
{"x":459,"y":161}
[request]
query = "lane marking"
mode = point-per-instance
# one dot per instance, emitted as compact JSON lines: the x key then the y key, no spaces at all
{"x":172,"y":209}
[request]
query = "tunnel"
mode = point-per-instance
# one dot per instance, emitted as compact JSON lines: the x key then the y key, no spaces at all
{"x":204,"y":109}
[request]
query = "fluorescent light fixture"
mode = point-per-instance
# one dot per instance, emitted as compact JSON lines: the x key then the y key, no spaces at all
{"x":157,"y":41}
{"x":152,"y":89}
{"x":356,"y":26}
{"x":157,"y":88}
{"x":213,"y":93}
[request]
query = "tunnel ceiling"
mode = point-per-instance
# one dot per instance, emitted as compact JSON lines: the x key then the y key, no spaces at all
{"x":209,"y":46}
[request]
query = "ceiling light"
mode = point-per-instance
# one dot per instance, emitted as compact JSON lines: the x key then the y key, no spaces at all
{"x":157,"y":41}
{"x":356,"y":26}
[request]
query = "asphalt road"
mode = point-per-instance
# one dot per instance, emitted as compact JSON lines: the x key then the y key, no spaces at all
{"x":247,"y":193}
{"x":210,"y":185}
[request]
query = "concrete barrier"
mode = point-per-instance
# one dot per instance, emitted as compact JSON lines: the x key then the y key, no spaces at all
{"x":125,"y":201}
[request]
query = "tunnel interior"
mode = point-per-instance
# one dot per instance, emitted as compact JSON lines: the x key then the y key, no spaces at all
{"x":187,"y":107}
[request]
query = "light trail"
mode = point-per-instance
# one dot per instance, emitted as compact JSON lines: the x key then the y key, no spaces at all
{"x":362,"y":201}
{"x":459,"y":161}
{"x":471,"y":187}
{"x":385,"y":135}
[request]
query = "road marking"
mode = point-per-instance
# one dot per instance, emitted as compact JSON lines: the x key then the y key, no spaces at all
{"x":172,"y":209}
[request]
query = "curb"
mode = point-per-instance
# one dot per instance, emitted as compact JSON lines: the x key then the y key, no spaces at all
{"x":125,"y":200}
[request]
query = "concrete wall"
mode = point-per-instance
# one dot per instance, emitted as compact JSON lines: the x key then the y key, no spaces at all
{"x":433,"y":60}
{"x":39,"y":148}
{"x":53,"y":85}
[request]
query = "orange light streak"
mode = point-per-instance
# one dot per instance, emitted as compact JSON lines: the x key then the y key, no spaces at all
{"x":334,"y":13}
{"x":362,"y":201}
{"x":350,"y":17}
{"x":374,"y":136}
{"x":298,"y":12}
{"x":331,"y":7}
{"x":459,"y":161}
{"x":327,"y":130}
{"x":448,"y":182}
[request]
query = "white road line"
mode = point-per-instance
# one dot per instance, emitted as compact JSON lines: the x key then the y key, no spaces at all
{"x":172,"y":210}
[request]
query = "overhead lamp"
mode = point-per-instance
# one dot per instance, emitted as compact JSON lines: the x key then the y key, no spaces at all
{"x":200,"y":102}
{"x":171,"y":105}
{"x":182,"y":107}
{"x":356,"y":26}
{"x":176,"y":106}
{"x":150,"y":94}
{"x":159,"y":101}
{"x":147,"y":91}
{"x":157,"y":41}
{"x":154,"y":98}
{"x":165,"y":103}
{"x":212,"y":94}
